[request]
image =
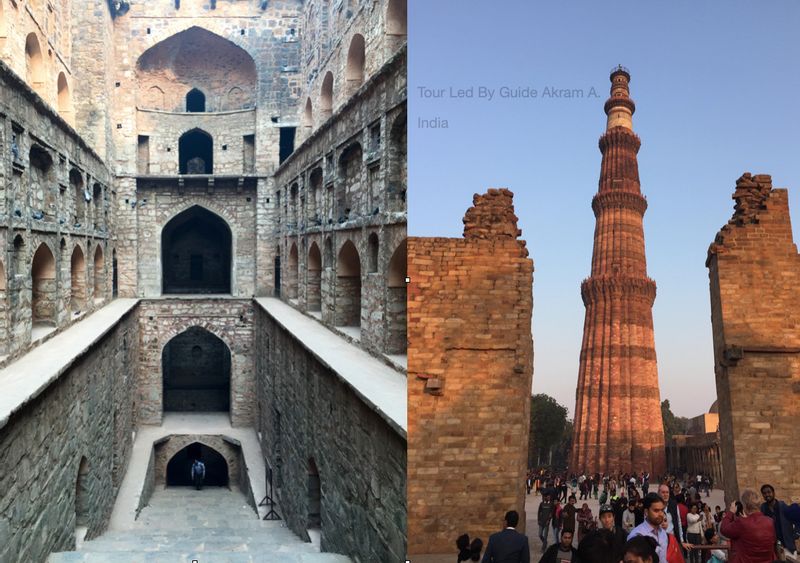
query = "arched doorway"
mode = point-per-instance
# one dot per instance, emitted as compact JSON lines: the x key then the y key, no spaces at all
{"x":314,"y":284}
{"x":348,"y":287}
{"x":196,"y":372}
{"x":35,"y":63}
{"x":396,"y":335}
{"x":43,"y":299}
{"x":64,"y":98}
{"x":196,"y":249}
{"x":196,"y":153}
{"x":354,"y":73}
{"x":179,"y":468}
{"x":326,"y":96}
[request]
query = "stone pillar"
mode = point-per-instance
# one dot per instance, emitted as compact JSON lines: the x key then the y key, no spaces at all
{"x":617,"y":413}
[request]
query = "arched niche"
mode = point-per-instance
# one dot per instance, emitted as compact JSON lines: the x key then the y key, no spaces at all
{"x":326,"y":95}
{"x":308,"y":115}
{"x":76,"y":184}
{"x":396,"y":295}
{"x":77,"y":280}
{"x":179,"y":467}
{"x":397,"y":17}
{"x":314,"y":520}
{"x":64,"y":98}
{"x":196,"y":251}
{"x":197,"y":58}
{"x":291,"y":277}
{"x":397,"y":177}
{"x":196,"y":372}
{"x":83,"y":504}
{"x":348,"y":286}
{"x":34,"y":63}
{"x":196,"y":152}
{"x":314,"y":283}
{"x":44,"y":289}
{"x":99,"y":275}
{"x":354,"y":71}
{"x":373,"y":246}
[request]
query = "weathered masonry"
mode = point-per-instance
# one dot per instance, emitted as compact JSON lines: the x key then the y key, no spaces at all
{"x":203,"y":220}
{"x":470,"y":358}
{"x":753,"y":270}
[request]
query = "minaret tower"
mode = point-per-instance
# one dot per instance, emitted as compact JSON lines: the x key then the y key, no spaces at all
{"x":618,"y":423}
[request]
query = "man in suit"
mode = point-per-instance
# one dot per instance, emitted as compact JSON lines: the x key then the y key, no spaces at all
{"x":508,"y":546}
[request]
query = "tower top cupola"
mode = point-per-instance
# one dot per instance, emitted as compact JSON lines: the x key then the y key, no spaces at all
{"x":620,"y":107}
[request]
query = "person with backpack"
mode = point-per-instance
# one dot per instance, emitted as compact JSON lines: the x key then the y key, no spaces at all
{"x":198,"y":474}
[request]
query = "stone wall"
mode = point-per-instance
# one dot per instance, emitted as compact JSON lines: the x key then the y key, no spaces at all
{"x":230,"y":320}
{"x":754,"y":272}
{"x":85,"y":415}
{"x":470,"y":364}
{"x":49,"y":172}
{"x":160,"y":202}
{"x":305,"y":413}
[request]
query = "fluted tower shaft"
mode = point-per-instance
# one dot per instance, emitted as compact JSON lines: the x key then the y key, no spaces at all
{"x":618,"y":424}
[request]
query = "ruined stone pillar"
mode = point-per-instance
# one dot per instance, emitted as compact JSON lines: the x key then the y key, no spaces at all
{"x":618,"y":410}
{"x":470,"y":364}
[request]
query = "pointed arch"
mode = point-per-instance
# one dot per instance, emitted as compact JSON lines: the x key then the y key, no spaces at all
{"x":83,"y":505}
{"x":196,"y":152}
{"x":372,"y":253}
{"x":196,"y":252}
{"x":308,"y":115}
{"x":64,"y":98}
{"x":291,"y":276}
{"x":99,"y":274}
{"x":348,"y":286}
{"x":396,"y":316}
{"x":217,"y":472}
{"x":397,"y":17}
{"x":34,"y":64}
{"x":326,"y":95}
{"x":314,"y":496}
{"x":356,"y":58}
{"x":314,"y":283}
{"x":196,"y":372}
{"x":77,"y":296}
{"x":198,"y":58}
{"x":43,"y":276}
{"x":195,"y":101}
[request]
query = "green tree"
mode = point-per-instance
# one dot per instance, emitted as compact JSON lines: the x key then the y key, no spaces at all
{"x":548,"y":422}
{"x":673,"y":425}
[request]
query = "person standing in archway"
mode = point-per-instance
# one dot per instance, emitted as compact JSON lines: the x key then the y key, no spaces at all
{"x":198,"y":474}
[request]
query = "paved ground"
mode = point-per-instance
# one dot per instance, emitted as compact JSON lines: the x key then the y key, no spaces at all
{"x":214,"y":525}
{"x":532,"y":529}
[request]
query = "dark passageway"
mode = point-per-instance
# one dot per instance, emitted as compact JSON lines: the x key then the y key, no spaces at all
{"x":179,"y":468}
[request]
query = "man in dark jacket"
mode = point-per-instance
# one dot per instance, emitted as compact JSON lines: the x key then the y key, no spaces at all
{"x":568,"y":516}
{"x":508,"y":546}
{"x":544,"y":516}
{"x":753,"y":536}
{"x":561,"y":552}
{"x":620,"y":537}
{"x":775,"y":509}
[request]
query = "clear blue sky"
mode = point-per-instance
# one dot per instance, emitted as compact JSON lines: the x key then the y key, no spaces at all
{"x":717,"y":90}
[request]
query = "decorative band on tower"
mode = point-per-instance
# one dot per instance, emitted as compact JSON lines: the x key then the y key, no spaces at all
{"x":618,"y":423}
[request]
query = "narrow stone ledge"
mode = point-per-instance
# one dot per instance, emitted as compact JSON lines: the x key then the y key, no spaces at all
{"x":382,"y":388}
{"x":23,"y":380}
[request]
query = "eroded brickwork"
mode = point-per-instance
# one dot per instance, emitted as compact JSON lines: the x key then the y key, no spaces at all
{"x":754,"y":271}
{"x":617,"y":427}
{"x":470,"y":369}
{"x":63,"y":456}
{"x":306,"y":412}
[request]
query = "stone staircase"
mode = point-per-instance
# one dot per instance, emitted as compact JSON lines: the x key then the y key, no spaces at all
{"x":214,"y":525}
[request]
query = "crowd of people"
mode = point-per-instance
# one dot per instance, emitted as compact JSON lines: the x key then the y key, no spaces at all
{"x":670,"y":524}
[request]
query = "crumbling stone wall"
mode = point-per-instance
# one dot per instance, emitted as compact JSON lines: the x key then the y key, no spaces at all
{"x":470,"y":365}
{"x":305,"y":412}
{"x":86,"y":413}
{"x":754,"y":272}
{"x":230,"y":320}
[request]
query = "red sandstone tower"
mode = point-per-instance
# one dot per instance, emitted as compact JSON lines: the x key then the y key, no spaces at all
{"x":618,"y":423}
